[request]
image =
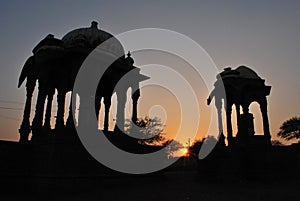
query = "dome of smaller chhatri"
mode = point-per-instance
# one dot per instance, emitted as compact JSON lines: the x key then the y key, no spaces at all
{"x":240,"y":72}
{"x":246,"y":72}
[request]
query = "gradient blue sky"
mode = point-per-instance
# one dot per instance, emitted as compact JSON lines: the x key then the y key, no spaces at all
{"x":261,"y":34}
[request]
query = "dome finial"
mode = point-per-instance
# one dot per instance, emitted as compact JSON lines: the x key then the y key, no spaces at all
{"x":50,"y":36}
{"x":129,"y":59}
{"x":94,"y":25}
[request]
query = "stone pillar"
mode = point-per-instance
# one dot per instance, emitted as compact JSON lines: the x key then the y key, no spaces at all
{"x":98,"y":104}
{"x":86,"y":110}
{"x":70,"y":119}
{"x":25,"y":126}
{"x":39,"y":111}
{"x":107,"y":103}
{"x":60,"y":109}
{"x":121,"y":97}
{"x":49,"y":109}
{"x":228,"y":122}
{"x":135,"y":97}
{"x":264,"y":112}
{"x":218,"y":103}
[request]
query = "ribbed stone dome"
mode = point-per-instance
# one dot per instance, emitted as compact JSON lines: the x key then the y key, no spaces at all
{"x":89,"y":38}
{"x":240,"y":72}
{"x":246,"y":72}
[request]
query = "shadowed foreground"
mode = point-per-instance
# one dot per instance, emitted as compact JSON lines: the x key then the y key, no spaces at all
{"x":172,"y":185}
{"x":64,"y":171}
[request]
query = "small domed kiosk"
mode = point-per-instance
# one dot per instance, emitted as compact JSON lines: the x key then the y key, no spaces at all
{"x":242,"y":87}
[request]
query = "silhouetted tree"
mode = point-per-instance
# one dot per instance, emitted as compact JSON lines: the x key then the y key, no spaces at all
{"x":172,"y":148}
{"x":290,"y":129}
{"x":276,"y":143}
{"x":195,"y":148}
{"x":150,"y":130}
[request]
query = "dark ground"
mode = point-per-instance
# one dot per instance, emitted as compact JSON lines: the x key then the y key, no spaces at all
{"x":180,"y":182}
{"x":169,"y":185}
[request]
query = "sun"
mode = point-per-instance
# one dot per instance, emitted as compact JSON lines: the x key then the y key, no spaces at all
{"x":184,"y":152}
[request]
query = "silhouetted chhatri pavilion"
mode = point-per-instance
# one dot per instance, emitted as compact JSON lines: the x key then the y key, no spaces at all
{"x":242,"y":87}
{"x":55,"y":64}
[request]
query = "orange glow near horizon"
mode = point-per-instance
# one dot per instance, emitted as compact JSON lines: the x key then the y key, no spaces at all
{"x":184,"y":151}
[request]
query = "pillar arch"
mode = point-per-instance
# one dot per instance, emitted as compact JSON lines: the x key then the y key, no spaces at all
{"x":264,"y":111}
{"x":254,"y":108}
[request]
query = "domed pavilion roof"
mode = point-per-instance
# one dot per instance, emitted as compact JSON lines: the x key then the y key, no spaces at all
{"x":240,"y":72}
{"x":246,"y":72}
{"x":90,"y":37}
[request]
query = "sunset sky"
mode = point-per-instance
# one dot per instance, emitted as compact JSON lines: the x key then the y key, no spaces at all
{"x":263,"y":35}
